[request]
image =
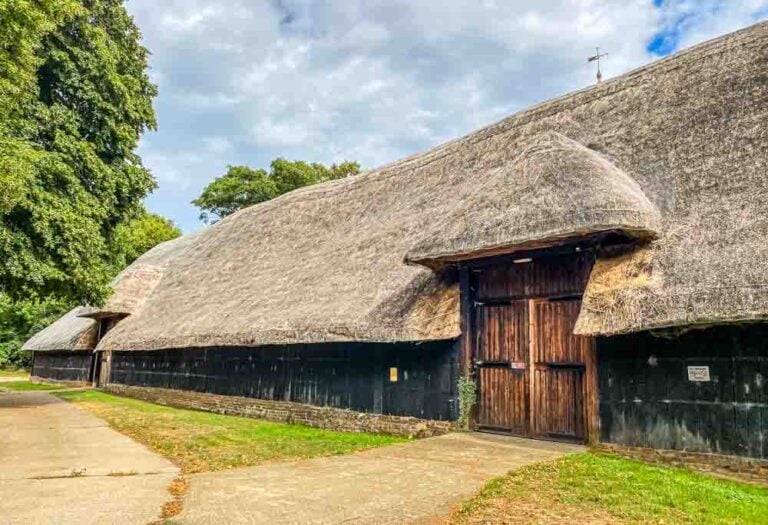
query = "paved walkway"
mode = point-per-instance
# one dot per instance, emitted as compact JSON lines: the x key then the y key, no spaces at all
{"x":60,"y":464}
{"x":396,"y":484}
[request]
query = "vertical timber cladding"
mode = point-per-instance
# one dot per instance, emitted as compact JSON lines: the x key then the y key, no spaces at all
{"x":69,"y":365}
{"x":535,"y":377}
{"x":650,"y":397}
{"x":401,"y":379}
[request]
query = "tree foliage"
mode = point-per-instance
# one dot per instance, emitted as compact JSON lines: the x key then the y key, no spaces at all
{"x":242,"y":186}
{"x":139,"y":235}
{"x":23,"y":24}
{"x":75,"y":98}
{"x":20,"y":320}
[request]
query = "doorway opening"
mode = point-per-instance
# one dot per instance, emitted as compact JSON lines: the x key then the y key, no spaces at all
{"x":535,"y":377}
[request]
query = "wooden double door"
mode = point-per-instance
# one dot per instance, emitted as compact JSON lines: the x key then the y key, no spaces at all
{"x":536,"y":378}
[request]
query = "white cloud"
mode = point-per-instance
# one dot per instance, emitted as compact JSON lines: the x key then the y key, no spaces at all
{"x":190,"y":20}
{"x":217,"y":145}
{"x":243,"y":82}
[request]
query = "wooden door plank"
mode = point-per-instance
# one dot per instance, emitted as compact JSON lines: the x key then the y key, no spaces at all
{"x":591,"y":398}
{"x":531,"y":364}
{"x":502,"y":345}
{"x":466,"y":348}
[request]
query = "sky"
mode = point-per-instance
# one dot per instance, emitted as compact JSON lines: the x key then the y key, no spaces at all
{"x":242,"y":82}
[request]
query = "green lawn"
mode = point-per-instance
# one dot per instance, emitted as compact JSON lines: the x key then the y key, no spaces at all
{"x":14,"y":373}
{"x":602,"y":488}
{"x":202,"y":441}
{"x":25,"y":386}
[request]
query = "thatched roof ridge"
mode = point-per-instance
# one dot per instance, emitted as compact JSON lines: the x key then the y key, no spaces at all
{"x":71,"y":332}
{"x":326,"y":263}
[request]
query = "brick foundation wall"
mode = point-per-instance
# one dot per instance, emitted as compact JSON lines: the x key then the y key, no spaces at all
{"x":738,"y":468}
{"x":285,"y":412}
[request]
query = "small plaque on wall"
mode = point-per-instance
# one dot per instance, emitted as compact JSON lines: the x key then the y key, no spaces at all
{"x":393,"y":374}
{"x":517,"y":365}
{"x":698,"y":373}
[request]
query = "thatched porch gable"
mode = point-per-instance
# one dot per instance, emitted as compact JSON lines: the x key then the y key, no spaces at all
{"x":554,"y":190}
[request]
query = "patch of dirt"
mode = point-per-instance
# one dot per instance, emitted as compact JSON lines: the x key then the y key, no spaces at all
{"x":177,"y":489}
{"x":519,"y":511}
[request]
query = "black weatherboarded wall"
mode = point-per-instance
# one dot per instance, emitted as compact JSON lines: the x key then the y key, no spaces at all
{"x":647,"y":399}
{"x":63,"y":366}
{"x":342,"y":375}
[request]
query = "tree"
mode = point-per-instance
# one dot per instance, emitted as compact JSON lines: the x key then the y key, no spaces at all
{"x":23,"y":25}
{"x":139,"y":235}
{"x":242,"y":186}
{"x":20,"y":320}
{"x":67,"y":142}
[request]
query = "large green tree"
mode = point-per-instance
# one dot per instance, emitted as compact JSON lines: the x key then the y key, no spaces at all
{"x":75,"y":98}
{"x":23,"y":24}
{"x":242,"y":186}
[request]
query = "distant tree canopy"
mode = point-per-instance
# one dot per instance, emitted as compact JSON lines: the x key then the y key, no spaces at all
{"x":242,"y":186}
{"x":20,"y":320}
{"x":135,"y":237}
{"x":74,"y":99}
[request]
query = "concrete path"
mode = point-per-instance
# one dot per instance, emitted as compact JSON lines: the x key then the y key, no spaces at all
{"x":396,"y":484}
{"x":60,"y":464}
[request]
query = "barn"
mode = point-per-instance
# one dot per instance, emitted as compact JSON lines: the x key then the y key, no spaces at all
{"x":591,"y":269}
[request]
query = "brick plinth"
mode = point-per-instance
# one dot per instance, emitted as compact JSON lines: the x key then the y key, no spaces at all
{"x":285,"y":412}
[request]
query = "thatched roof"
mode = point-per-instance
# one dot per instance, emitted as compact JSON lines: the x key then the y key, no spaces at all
{"x":78,"y":329}
{"x":134,"y":284}
{"x":554,"y":189}
{"x":71,"y":332}
{"x":674,"y":153}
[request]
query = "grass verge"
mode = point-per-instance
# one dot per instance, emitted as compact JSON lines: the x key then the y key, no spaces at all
{"x":26,"y":386}
{"x":603,"y":488}
{"x":202,"y":441}
{"x":14,"y":373}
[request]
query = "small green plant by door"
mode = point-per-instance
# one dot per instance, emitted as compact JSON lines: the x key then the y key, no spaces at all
{"x":467,"y":397}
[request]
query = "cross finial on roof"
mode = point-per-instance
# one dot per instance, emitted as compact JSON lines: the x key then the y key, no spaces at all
{"x":596,"y":58}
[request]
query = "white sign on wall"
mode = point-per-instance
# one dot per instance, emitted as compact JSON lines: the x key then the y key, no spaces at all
{"x":698,"y":373}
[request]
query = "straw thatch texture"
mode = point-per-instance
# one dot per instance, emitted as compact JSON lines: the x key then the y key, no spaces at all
{"x":75,"y":331}
{"x":326,"y":263}
{"x":554,"y":189}
{"x":134,"y":284}
{"x":71,"y":332}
